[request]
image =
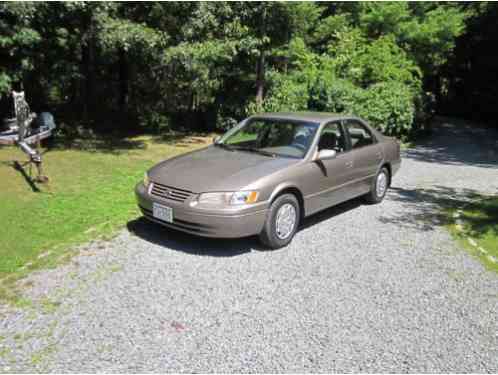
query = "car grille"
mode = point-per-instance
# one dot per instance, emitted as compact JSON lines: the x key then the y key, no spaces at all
{"x":168,"y":192}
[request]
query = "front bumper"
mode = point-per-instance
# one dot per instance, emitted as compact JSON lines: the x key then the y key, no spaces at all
{"x":212,"y":223}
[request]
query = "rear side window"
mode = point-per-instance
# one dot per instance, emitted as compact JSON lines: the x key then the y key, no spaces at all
{"x":359,"y":134}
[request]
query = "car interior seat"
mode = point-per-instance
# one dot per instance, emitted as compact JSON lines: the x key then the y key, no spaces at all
{"x":329,"y":141}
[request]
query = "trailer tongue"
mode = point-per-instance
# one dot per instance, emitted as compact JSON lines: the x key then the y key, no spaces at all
{"x":26,"y":130}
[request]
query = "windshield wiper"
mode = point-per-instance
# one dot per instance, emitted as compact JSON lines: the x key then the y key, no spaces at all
{"x":255,"y":150}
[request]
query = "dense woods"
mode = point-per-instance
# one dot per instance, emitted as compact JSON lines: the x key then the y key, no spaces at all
{"x":205,"y":65}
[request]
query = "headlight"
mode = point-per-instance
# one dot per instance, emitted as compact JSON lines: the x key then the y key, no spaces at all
{"x":244,"y":197}
{"x":146,"y":180}
{"x":215,"y":199}
{"x":224,"y":199}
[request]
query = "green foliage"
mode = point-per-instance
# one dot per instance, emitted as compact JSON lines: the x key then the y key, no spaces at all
{"x":201,"y":65}
{"x":5,"y":83}
{"x":288,"y":93}
{"x":303,"y":18}
{"x":155,"y":121}
{"x":381,"y":61}
{"x":225,"y":123}
{"x":384,"y":19}
{"x":329,"y":28}
{"x":432,"y":39}
{"x":467,"y":81}
{"x":334,"y":95}
{"x":375,"y":80}
{"x":204,"y":63}
{"x":426,"y":31}
{"x":389,"y":106}
{"x":17,"y":37}
{"x":118,"y":33}
{"x":367,"y":62}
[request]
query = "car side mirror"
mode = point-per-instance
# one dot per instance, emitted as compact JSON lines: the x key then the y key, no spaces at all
{"x":326,"y":154}
{"x":216,"y":139}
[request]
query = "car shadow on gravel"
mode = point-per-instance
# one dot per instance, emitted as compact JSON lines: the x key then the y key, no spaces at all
{"x":425,"y":209}
{"x":217,"y":247}
{"x":331,"y":212}
{"x":179,"y":241}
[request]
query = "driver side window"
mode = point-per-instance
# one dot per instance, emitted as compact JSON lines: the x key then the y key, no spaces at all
{"x":332,"y":138}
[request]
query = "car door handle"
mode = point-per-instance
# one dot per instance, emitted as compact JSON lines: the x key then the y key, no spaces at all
{"x":379,"y":155}
{"x":349,"y":164}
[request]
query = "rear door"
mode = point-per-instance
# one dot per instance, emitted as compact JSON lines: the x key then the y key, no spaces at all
{"x":367,"y":155}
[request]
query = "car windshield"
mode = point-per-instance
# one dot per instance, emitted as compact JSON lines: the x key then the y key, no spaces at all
{"x":272,"y":137}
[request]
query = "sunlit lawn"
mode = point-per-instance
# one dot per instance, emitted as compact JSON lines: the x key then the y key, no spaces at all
{"x":90,"y":194}
{"x":480,"y":223}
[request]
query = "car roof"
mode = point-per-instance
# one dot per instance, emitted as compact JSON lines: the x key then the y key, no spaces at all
{"x":318,"y":117}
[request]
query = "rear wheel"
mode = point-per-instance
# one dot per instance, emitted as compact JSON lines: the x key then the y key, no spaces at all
{"x":281,"y":222}
{"x":379,"y":187}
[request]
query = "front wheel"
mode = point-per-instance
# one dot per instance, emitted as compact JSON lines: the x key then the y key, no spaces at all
{"x":379,"y":187}
{"x":281,"y":222}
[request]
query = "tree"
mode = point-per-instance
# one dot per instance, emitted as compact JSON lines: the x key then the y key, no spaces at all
{"x":205,"y":64}
{"x":468,"y":79}
{"x":17,"y":42}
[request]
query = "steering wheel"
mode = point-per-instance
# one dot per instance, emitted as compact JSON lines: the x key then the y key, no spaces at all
{"x":299,"y":142}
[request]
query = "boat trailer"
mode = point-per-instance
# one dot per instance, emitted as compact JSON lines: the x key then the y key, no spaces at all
{"x":26,"y":130}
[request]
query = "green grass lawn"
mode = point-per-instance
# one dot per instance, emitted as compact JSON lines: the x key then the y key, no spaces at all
{"x":407,"y":145}
{"x":90,"y":194}
{"x":480,"y":223}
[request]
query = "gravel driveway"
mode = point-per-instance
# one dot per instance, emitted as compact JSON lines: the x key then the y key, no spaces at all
{"x":361,"y":288}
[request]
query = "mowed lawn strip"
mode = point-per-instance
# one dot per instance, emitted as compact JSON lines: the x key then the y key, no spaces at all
{"x":90,"y":194}
{"x":479,"y":222}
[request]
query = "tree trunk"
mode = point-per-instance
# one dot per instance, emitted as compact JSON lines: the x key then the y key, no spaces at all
{"x":88,"y":56}
{"x":90,"y":92}
{"x":260,"y":65}
{"x":83,"y":83}
{"x":123,"y":81}
{"x":260,"y":77}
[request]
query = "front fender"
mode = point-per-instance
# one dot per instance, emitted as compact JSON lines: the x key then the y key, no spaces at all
{"x":281,"y":187}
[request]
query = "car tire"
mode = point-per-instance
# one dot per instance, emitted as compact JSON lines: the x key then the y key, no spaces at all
{"x":281,"y":222}
{"x":380,"y":184}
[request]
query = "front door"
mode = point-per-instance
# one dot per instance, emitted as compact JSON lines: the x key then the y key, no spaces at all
{"x":328,"y":179}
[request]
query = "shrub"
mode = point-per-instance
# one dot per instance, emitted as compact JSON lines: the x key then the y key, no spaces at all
{"x":154,"y":121}
{"x":389,"y":107}
{"x":337,"y":95}
{"x":288,"y":92}
{"x":383,"y":60}
{"x":225,"y":123}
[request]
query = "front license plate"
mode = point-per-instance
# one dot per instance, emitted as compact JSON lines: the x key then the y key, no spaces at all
{"x":162,"y":212}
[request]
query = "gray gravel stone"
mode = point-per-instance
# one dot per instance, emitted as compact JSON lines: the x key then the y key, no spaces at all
{"x":361,"y":288}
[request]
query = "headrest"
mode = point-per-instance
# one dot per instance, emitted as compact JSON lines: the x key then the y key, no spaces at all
{"x":328,"y":141}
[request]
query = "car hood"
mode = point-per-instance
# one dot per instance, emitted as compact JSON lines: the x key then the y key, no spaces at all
{"x":216,"y":169}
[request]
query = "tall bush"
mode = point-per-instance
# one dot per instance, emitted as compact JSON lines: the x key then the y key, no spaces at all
{"x":389,"y":106}
{"x":289,"y":92}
